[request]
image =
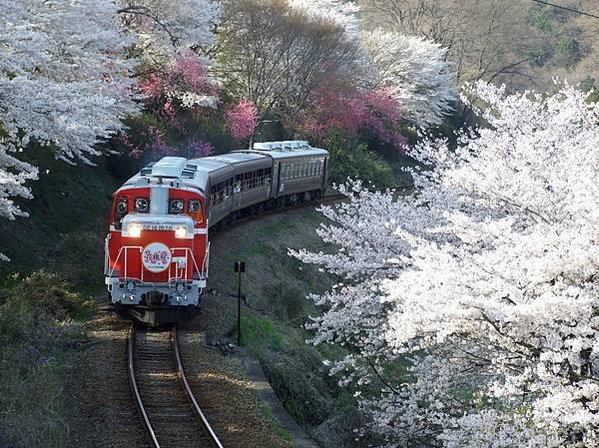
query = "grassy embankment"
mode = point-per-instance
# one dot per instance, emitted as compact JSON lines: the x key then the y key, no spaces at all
{"x":275,"y":286}
{"x":56,"y":251}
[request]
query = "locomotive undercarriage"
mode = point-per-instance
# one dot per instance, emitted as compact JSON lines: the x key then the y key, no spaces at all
{"x":156,"y":308}
{"x":131,"y":292}
{"x":155,"y":304}
{"x":156,"y":315}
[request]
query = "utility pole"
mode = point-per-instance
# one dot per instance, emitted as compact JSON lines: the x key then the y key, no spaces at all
{"x":239,"y":269}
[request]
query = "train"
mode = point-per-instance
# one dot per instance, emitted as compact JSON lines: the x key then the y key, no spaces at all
{"x":157,"y":251}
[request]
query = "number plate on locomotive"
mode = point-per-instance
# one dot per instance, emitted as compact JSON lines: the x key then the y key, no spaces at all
{"x":157,"y":227}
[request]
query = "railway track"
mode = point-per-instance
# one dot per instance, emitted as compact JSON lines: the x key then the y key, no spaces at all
{"x":169,"y":410}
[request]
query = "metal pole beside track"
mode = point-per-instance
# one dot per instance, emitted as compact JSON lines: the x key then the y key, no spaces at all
{"x":239,"y":268}
{"x":239,"y":308}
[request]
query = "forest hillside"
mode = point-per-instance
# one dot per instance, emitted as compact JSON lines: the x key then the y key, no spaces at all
{"x":522,"y":43}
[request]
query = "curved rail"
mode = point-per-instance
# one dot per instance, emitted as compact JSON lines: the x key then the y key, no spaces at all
{"x":190,"y":396}
{"x":206,"y":429}
{"x":135,"y":389}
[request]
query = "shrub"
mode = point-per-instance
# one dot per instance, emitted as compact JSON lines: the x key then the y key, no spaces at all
{"x":285,"y":300}
{"x":357,"y":161}
{"x":36,"y":331}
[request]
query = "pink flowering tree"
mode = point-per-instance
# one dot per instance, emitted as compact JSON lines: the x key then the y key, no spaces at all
{"x":355,"y":114}
{"x":178,"y":100}
{"x":183,"y":85}
{"x":242,"y":120}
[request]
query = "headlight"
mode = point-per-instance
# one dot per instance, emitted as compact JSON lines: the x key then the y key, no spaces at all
{"x":134,"y":230}
{"x":142,"y":205}
{"x":194,"y":206}
{"x":181,"y":232}
{"x":175,"y":206}
{"x":122,"y":206}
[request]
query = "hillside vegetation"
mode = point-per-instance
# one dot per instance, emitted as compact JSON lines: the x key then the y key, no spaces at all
{"x":518,"y":42}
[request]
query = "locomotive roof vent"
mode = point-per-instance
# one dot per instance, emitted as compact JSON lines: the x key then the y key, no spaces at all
{"x":171,"y":167}
{"x":147,"y":170}
{"x":189,"y":171}
{"x":264,"y":146}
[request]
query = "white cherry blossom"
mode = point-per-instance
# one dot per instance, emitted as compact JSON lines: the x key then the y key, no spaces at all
{"x":483,"y":284}
{"x":416,"y":71}
{"x":64,"y":84}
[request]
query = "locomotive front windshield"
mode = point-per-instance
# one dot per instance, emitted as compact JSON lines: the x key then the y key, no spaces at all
{"x":125,"y":204}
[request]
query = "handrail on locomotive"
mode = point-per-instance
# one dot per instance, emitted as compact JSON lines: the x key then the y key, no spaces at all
{"x":202,"y":274}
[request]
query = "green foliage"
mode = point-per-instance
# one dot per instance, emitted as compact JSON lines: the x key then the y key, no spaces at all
{"x":36,"y":335}
{"x":46,"y":296}
{"x":540,"y":18}
{"x":569,"y":50}
{"x":356,"y":161}
{"x":285,"y":300}
{"x":67,"y":222}
{"x":306,"y":396}
{"x":594,"y":97}
{"x":539,"y":53}
{"x":258,"y":333}
{"x":587,"y":84}
{"x":279,"y":430}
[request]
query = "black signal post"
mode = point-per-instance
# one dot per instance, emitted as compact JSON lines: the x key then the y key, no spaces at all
{"x":239,"y":269}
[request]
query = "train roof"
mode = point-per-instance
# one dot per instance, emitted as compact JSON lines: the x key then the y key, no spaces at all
{"x":231,"y":158}
{"x":284,"y":149}
{"x":195,"y":173}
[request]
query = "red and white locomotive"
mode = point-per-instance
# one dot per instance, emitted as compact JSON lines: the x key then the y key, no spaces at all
{"x":157,"y":251}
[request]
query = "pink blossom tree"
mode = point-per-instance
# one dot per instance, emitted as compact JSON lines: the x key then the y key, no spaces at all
{"x":182,"y":86}
{"x":179,"y":97}
{"x":353,"y":113}
{"x":242,"y":120}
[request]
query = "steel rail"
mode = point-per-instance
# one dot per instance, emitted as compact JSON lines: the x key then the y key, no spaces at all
{"x":201,"y":417}
{"x":190,"y":396}
{"x":203,"y":421}
{"x":135,"y":388}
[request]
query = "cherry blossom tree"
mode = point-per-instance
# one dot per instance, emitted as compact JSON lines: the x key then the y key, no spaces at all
{"x":64,"y":83}
{"x":166,"y":27}
{"x":415,"y":70}
{"x":342,"y":14}
{"x":242,"y":120}
{"x":471,"y":306}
